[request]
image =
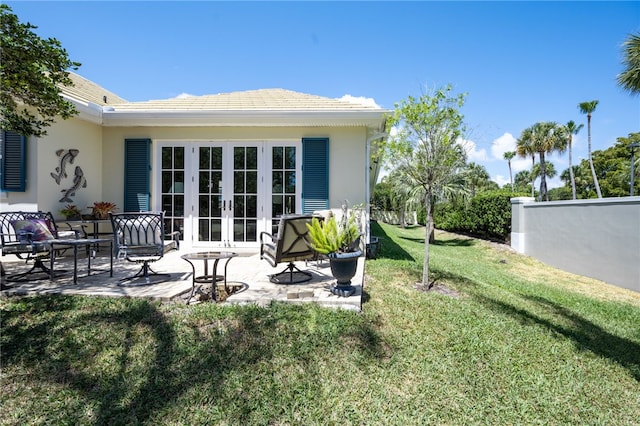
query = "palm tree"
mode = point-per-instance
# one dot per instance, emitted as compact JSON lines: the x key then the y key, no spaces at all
{"x":572,"y":129}
{"x":476,"y":176}
{"x":629,"y":79}
{"x":524,"y":148}
{"x":588,"y":108}
{"x":401,"y":189}
{"x":509,"y":156}
{"x":547,"y":137}
{"x":549,"y":169}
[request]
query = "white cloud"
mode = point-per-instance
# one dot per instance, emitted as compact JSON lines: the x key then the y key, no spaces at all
{"x":501,"y":180}
{"x":184,"y":95}
{"x":473,"y":153}
{"x":360,"y":100}
{"x":519,"y":164}
{"x":504,"y":143}
{"x":554,"y":182}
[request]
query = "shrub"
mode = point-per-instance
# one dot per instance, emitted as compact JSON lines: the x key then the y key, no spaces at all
{"x":488,"y":215}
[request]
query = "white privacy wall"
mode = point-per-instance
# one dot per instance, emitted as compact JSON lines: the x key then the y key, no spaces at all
{"x":598,"y":238}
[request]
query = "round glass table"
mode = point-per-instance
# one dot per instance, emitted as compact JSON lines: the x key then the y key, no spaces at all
{"x":213,"y":277}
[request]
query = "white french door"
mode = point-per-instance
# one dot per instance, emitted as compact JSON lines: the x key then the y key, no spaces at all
{"x":229,"y":192}
{"x":227,"y":206}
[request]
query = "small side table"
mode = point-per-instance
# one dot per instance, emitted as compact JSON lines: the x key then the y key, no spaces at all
{"x":75,"y":243}
{"x":213,"y":278}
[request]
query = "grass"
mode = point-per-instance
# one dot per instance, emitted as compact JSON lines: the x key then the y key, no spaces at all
{"x":522,"y":343}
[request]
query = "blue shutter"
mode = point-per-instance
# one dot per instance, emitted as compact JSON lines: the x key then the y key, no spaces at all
{"x":137,"y":167}
{"x":13,"y":165}
{"x":315,"y":174}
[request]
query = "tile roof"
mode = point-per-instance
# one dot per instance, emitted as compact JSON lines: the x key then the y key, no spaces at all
{"x":87,"y":91}
{"x":252,"y":100}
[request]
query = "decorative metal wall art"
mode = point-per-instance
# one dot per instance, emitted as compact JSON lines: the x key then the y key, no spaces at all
{"x":67,"y":156}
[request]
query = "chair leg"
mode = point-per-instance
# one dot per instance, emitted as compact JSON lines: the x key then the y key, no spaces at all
{"x":145,"y":276}
{"x":38,"y":267}
{"x":290,"y":275}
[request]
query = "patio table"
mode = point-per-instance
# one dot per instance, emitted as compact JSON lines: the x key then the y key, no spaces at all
{"x":206,"y":256}
{"x":75,"y":243}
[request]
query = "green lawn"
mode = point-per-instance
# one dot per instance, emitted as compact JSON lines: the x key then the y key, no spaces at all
{"x":521,"y":343}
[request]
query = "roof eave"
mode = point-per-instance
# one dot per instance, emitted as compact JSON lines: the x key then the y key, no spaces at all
{"x":113,"y":118}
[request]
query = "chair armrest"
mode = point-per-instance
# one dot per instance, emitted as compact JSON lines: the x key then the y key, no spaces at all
{"x":75,"y":232}
{"x":174,"y":236}
{"x":262,"y":234}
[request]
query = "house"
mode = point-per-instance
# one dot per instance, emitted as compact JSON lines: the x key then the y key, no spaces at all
{"x":222,"y":167}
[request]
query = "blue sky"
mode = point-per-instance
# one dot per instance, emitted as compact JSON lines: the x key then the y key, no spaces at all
{"x":518,"y":62}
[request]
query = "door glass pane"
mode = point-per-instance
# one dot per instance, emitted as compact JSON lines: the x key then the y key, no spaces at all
{"x":205,"y":158}
{"x":178,"y":206}
{"x":252,"y":158}
{"x":277,"y":205}
{"x":276,"y":185}
{"x":178,"y":161}
{"x":290,"y":157}
{"x":167,"y":153}
{"x":238,"y":206}
{"x":203,"y":182}
{"x":252,"y":230}
{"x":216,"y":206}
{"x":290,"y":182}
{"x":203,"y":205}
{"x":238,"y":159}
{"x":203,"y":230}
{"x":276,"y":163}
{"x":252,"y":182}
{"x":166,"y":181}
{"x":216,"y":230}
{"x":238,"y":230}
{"x":251,"y":206}
{"x":216,"y":158}
{"x":238,"y":182}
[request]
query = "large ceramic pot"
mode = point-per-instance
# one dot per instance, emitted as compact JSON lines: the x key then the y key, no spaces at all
{"x":343,"y":268}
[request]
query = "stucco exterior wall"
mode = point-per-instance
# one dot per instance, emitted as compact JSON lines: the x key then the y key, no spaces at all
{"x":347,"y":153}
{"x":595,"y":238}
{"x":42,"y":191}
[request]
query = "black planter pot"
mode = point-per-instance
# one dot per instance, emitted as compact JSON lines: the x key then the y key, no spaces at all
{"x":343,"y":268}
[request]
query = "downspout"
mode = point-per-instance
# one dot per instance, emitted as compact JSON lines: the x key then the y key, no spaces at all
{"x":369,"y":188}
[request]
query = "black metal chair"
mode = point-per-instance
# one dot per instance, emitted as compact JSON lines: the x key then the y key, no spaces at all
{"x":139,"y":237}
{"x":24,"y":234}
{"x":289,"y":245}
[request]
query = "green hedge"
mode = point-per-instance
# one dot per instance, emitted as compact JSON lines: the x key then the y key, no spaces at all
{"x":488,"y":215}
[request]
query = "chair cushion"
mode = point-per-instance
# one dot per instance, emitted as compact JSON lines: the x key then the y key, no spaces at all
{"x":36,"y":227}
{"x":140,"y":236}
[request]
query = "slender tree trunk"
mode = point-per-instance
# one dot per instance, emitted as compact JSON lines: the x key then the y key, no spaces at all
{"x":425,"y":264}
{"x":510,"y":175}
{"x":573,"y":179}
{"x":543,"y":179}
{"x":533,"y":177}
{"x":593,"y":170}
{"x":432,"y":224}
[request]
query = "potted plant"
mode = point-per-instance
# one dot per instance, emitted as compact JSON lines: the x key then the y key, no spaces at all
{"x":101,"y":209}
{"x":71,"y":212}
{"x":341,"y":244}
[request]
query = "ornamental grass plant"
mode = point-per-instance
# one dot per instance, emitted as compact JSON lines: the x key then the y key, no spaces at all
{"x":502,"y":339}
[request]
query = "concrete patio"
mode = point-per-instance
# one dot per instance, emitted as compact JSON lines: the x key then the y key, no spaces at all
{"x":246,"y":272}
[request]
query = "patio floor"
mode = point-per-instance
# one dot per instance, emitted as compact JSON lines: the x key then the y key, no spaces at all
{"x":246,"y":271}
